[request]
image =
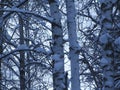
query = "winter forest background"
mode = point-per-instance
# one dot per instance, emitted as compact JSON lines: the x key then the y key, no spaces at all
{"x":59,"y":44}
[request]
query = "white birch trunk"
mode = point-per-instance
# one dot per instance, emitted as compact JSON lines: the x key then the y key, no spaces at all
{"x":58,"y":55}
{"x":74,"y":47}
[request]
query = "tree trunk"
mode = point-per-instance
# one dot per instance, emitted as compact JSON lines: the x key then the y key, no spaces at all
{"x":22,"y":56}
{"x":74,"y":46}
{"x":1,"y":51}
{"x":58,"y":55}
{"x":1,"y":43}
{"x":107,"y":39}
{"x":117,"y":46}
{"x":28,"y":55}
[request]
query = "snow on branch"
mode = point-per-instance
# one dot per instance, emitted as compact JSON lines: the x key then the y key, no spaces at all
{"x":26,"y":48}
{"x":14,"y":9}
{"x":22,"y":2}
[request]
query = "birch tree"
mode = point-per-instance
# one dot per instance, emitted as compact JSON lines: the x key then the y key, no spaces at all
{"x":58,"y":55}
{"x":74,"y":46}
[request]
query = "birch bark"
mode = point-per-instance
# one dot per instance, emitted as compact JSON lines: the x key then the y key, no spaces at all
{"x":58,"y":55}
{"x":74,"y":46}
